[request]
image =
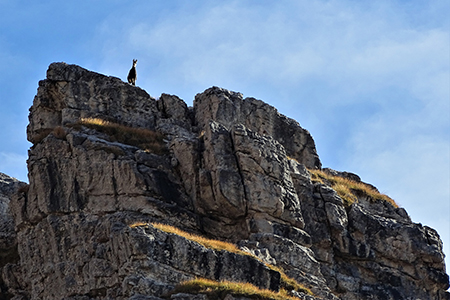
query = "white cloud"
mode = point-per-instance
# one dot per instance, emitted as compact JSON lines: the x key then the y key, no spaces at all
{"x":410,"y":162}
{"x":354,"y":49}
{"x":377,"y":71}
{"x":13,"y":164}
{"x":371,"y":75}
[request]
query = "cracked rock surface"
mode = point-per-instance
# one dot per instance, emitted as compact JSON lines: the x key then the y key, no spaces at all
{"x":234,"y":169}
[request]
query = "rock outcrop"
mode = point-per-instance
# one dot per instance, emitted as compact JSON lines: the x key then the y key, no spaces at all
{"x":232,"y":169}
{"x":8,"y":239}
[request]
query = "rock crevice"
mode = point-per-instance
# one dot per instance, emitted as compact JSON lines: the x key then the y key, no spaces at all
{"x":233,"y":169}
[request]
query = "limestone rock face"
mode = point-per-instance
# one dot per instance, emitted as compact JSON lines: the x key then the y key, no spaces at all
{"x":8,"y":186}
{"x":8,"y":238}
{"x":229,"y":108}
{"x":70,"y":93}
{"x":233,"y":169}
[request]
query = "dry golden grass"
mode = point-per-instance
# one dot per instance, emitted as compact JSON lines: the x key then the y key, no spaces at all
{"x":219,"y":289}
{"x":286,"y":282}
{"x":348,"y":189}
{"x":289,"y":283}
{"x":208,"y":243}
{"x":291,"y":158}
{"x":146,"y":139}
{"x":95,"y":122}
{"x":138,"y":224}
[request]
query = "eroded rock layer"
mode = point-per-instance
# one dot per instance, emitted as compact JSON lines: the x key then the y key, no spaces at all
{"x":232,"y":169}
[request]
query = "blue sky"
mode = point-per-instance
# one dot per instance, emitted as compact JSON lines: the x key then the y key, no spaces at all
{"x":370,"y":80}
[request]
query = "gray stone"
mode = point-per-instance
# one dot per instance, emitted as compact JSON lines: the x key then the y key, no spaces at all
{"x":70,"y":93}
{"x":235,"y":170}
{"x":8,"y":237}
{"x":230,"y":108}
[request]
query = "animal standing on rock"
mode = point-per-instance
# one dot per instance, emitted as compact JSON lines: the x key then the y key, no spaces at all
{"x":335,"y":235}
{"x":132,"y":75}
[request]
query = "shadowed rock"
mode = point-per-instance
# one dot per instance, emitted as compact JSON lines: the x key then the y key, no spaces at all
{"x":234,"y":169}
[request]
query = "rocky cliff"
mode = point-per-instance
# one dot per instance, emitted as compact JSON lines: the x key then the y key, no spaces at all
{"x":109,"y":164}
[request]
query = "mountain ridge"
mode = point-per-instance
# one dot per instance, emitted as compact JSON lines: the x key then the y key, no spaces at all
{"x":233,"y":169}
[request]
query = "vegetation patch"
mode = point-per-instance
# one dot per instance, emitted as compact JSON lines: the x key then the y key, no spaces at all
{"x":138,"y":224}
{"x":208,"y":243}
{"x":143,"y":138}
{"x":348,"y":189}
{"x":219,"y":289}
{"x":287,"y":283}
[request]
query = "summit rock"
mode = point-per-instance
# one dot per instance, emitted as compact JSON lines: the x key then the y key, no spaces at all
{"x":109,"y":163}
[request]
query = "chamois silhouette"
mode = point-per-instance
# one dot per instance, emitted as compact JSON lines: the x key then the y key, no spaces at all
{"x":132,"y":74}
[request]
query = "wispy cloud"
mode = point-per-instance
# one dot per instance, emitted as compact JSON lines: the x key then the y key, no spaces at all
{"x":12,"y":164}
{"x":368,"y":79}
{"x":351,"y":49}
{"x":385,"y":110}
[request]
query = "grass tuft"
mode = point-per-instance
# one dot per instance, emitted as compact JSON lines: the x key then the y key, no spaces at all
{"x":208,"y":243}
{"x":286,"y":282}
{"x":138,"y":224}
{"x":143,"y":138}
{"x":219,"y":289}
{"x":348,"y":189}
